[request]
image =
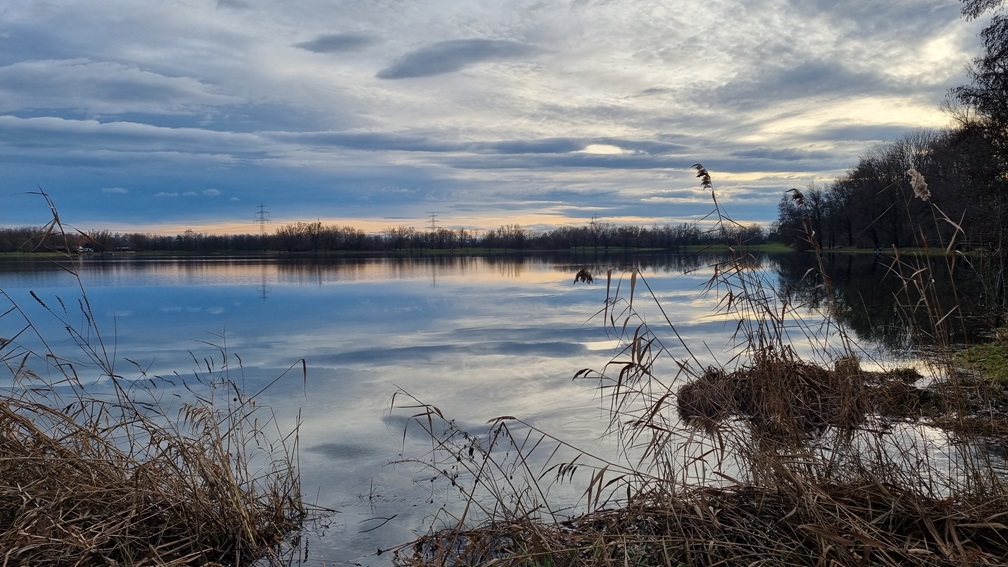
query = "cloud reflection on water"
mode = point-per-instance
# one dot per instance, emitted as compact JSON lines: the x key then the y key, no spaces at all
{"x":477,"y":337}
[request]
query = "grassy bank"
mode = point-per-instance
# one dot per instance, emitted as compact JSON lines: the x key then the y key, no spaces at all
{"x":989,"y":360}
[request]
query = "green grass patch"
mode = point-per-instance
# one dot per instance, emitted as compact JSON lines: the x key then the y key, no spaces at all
{"x":990,"y":360}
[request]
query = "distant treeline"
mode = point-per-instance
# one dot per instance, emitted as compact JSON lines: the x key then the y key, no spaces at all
{"x":317,"y":237}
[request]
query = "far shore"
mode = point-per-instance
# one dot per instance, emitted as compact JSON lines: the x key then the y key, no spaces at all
{"x":577,"y":252}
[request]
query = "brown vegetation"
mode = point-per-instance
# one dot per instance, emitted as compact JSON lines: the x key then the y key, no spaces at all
{"x":103,"y":484}
{"x":97,"y":469}
{"x":765,"y":458}
{"x":803,"y":524}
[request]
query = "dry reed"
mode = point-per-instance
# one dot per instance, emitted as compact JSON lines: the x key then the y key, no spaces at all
{"x":870,"y":524}
{"x":97,"y":469}
{"x":795,"y":462}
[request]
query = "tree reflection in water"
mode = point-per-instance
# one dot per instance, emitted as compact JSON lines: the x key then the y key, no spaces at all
{"x":895,"y":302}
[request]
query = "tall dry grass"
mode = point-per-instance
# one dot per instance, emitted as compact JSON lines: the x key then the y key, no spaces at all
{"x":97,"y":468}
{"x":786,"y":450}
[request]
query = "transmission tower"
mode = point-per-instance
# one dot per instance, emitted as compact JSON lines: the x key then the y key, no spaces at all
{"x":262,"y":219}
{"x":433,"y":222}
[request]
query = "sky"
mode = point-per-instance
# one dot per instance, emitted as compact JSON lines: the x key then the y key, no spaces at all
{"x":141,"y":116}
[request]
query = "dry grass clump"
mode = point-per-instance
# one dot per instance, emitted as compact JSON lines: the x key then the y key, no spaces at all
{"x":99,"y":483}
{"x":812,"y":524}
{"x":780,"y":397}
{"x":797,"y":461}
{"x":774,"y":490}
{"x":98,"y":469}
{"x":789,"y":398}
{"x":974,"y":406}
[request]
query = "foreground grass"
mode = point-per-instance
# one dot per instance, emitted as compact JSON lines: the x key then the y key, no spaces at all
{"x":792,"y":502}
{"x":765,"y":458}
{"x":867,"y":524}
{"x":118,"y":479}
{"x":70,"y":494}
{"x":98,"y":469}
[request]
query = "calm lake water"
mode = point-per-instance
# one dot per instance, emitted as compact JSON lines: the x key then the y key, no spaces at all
{"x":477,"y":337}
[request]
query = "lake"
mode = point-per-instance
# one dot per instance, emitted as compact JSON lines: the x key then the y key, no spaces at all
{"x":478,"y":337}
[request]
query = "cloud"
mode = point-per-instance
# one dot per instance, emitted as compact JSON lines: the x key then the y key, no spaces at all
{"x":772,"y":85}
{"x":871,"y":133}
{"x":211,"y":192}
{"x":451,"y":56}
{"x":101,"y":87}
{"x":117,"y":144}
{"x":237,"y":4}
{"x":115,"y":190}
{"x":244,"y":96}
{"x":780,"y":154}
{"x":540,"y":146}
{"x":336,"y":43}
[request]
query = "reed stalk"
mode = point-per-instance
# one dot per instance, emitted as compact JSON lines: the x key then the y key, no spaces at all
{"x":786,"y":451}
{"x":100,"y":469}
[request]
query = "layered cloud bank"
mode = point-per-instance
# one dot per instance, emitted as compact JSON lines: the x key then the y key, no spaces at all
{"x":139,"y":114}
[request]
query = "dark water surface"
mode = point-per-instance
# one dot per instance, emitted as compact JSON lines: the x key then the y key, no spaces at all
{"x":477,"y":337}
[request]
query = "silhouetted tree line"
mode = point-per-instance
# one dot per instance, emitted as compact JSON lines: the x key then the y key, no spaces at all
{"x":931,"y":188}
{"x":317,"y":237}
{"x":874,"y":204}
